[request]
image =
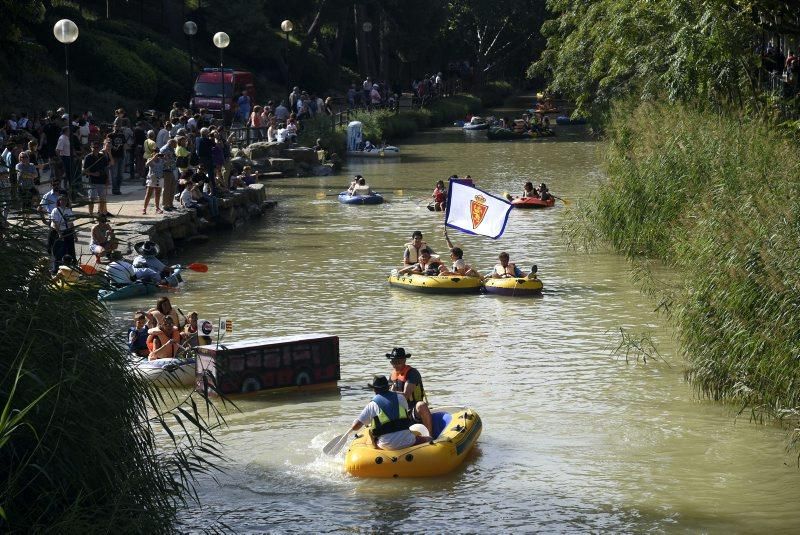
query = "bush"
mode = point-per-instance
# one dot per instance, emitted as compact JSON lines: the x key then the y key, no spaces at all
{"x":495,"y":93}
{"x":334,"y":140}
{"x":716,"y":197}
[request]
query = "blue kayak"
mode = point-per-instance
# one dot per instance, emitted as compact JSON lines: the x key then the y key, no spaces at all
{"x":346,"y":198}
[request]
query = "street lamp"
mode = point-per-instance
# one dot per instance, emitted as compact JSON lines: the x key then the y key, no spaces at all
{"x":366,"y":28}
{"x":221,"y":41}
{"x":190,"y":29}
{"x":66,"y":32}
{"x":287,"y":27}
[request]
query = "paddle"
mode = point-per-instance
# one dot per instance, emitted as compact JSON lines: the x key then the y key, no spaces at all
{"x":198,"y":267}
{"x":336,"y":444}
{"x":565,"y":201}
{"x":322,"y":195}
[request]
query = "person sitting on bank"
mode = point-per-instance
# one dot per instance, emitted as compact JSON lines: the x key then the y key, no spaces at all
{"x":387,"y":416}
{"x":414,"y":247}
{"x":439,"y":196}
{"x":164,"y":341}
{"x":137,"y":336}
{"x":408,"y":381}
{"x":361,"y":188}
{"x":507,"y":269}
{"x":427,"y":265}
{"x":103,"y":241}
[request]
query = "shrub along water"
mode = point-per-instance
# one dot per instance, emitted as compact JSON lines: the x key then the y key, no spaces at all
{"x":718,"y":198}
{"x":78,"y":440}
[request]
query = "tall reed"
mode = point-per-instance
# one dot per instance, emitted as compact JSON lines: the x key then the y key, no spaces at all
{"x":718,"y":198}
{"x":85,"y":446}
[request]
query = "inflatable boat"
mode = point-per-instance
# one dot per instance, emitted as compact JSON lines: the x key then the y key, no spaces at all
{"x":376,"y":152}
{"x":532,"y":202}
{"x":476,"y":123}
{"x":565,"y":120}
{"x":455,"y":434}
{"x":441,"y":284}
{"x":374,"y":198}
{"x":513,"y":286}
{"x":170,"y":373}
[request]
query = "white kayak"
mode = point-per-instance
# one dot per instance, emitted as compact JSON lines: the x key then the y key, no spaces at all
{"x":170,"y":373}
{"x":386,"y":152}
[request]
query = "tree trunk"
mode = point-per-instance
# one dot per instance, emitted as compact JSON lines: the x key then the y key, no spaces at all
{"x":359,"y":18}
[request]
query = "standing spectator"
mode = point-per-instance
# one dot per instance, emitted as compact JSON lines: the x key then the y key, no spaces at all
{"x":36,"y":160}
{"x":170,"y":163}
{"x":328,"y":106}
{"x":293,"y":98}
{"x":375,"y":96}
{"x":366,"y":89}
{"x":244,"y":104}
{"x":63,"y":152}
{"x":62,"y":234}
{"x":204,"y":149}
{"x":26,"y":173}
{"x":182,"y":154}
{"x":117,"y":149}
{"x":155,"y":167}
{"x":175,"y":112}
{"x":351,"y":96}
{"x":139,"y":137}
{"x":50,"y":133}
{"x":282,"y":112}
{"x":95,"y":166}
{"x":163,"y":135}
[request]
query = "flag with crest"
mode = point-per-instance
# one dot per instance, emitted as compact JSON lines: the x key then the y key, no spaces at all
{"x":475,"y":211}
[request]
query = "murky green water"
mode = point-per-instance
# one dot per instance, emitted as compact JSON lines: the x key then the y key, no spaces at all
{"x":574,"y":439}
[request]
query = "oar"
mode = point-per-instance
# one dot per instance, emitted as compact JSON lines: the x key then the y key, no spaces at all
{"x":336,"y":444}
{"x":198,"y":267}
{"x":565,"y":201}
{"x":322,"y":195}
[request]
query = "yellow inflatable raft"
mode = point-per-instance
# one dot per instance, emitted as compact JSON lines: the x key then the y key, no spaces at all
{"x":513,"y":286}
{"x":443,"y":284}
{"x":461,"y":429}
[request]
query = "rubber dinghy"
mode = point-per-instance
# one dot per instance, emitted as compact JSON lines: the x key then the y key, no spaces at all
{"x":455,"y":434}
{"x":441,"y":284}
{"x":168,"y":373}
{"x":514,"y":286}
{"x":374,"y":198}
{"x":532,"y":202}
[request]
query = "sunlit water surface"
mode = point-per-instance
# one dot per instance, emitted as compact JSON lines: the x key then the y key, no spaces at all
{"x":575,"y":439}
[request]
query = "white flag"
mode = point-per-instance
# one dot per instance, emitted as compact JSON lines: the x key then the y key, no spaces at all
{"x":475,"y":211}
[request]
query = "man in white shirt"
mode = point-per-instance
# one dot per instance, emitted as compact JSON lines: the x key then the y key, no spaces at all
{"x":387,"y":416}
{"x":63,"y":151}
{"x":163,"y":136}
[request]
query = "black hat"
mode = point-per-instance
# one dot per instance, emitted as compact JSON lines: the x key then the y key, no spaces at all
{"x":398,"y":353}
{"x":379,"y":382}
{"x":146,"y":248}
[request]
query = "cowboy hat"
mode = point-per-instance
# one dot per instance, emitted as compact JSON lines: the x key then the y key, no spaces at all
{"x":147,"y":248}
{"x":397,"y":354}
{"x":379,"y":382}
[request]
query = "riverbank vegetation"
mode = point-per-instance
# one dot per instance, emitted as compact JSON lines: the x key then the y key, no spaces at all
{"x":135,"y":54}
{"x":85,"y":446}
{"x":701,"y":174}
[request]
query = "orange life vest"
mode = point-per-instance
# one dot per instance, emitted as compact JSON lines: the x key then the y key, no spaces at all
{"x":419,"y":392}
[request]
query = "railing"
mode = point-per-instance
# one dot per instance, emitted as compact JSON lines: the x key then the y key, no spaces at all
{"x":245,"y":135}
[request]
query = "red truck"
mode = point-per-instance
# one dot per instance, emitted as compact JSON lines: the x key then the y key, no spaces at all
{"x":208,"y":90}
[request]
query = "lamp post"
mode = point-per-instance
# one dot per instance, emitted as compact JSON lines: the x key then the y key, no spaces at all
{"x":66,"y":32}
{"x":367,"y":28}
{"x":190,"y":29}
{"x":221,"y":41}
{"x":287,"y":27}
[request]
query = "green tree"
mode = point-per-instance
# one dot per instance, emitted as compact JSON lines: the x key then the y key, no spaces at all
{"x":686,"y":50}
{"x":18,"y":14}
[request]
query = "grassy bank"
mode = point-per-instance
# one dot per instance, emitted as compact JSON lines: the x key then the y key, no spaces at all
{"x":390,"y":126}
{"x":717,"y":198}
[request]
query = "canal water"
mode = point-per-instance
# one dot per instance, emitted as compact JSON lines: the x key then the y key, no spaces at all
{"x":575,"y":438}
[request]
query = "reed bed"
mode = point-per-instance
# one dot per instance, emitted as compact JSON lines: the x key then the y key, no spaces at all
{"x":717,"y":198}
{"x":85,"y":446}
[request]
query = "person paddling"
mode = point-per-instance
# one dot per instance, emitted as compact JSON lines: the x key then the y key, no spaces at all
{"x":387,"y":416}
